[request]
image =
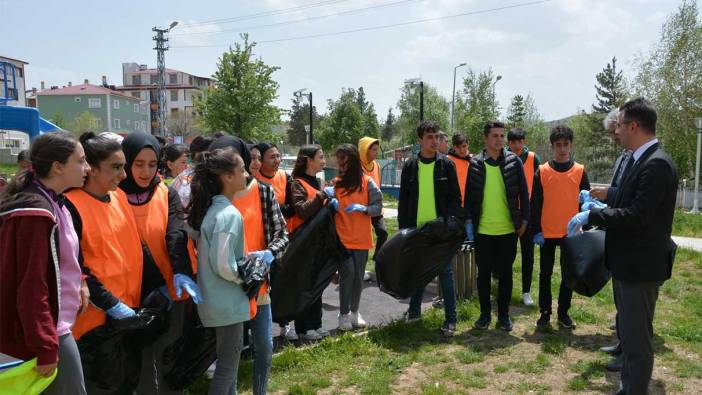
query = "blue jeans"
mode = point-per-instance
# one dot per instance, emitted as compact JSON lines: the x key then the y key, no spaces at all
{"x":262,"y":342}
{"x":446,"y":283}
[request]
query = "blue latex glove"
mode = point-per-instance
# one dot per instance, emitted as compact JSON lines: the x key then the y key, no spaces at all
{"x":539,"y":239}
{"x":120,"y":311}
{"x":335,"y":204}
{"x":329,"y":191}
{"x":182,"y":282}
{"x":356,"y":208}
{"x":584,"y":197}
{"x":470,"y":233}
{"x":592,"y":204}
{"x":577,"y":222}
{"x":265,"y":255}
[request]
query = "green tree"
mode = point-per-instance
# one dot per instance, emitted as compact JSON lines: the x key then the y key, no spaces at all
{"x":346,"y":122}
{"x":59,"y":120}
{"x":389,"y":127}
{"x":476,"y":104}
{"x":670,"y":75}
{"x":611,"y":88}
{"x":299,"y":118}
{"x":84,"y":122}
{"x":436,"y":109}
{"x":516,"y":112}
{"x":241,"y":100}
{"x":535,"y":128}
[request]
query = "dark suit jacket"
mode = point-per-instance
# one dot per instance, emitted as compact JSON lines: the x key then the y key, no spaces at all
{"x":638,"y":246}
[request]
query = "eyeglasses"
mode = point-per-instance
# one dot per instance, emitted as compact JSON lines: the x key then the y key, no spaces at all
{"x":619,"y":124}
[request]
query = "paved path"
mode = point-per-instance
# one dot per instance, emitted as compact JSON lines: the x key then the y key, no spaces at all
{"x":688,"y":242}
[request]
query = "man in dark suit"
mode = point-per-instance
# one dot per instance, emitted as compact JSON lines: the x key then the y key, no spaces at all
{"x":638,"y":248}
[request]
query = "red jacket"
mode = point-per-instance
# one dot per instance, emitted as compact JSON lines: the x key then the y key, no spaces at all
{"x":29,"y":277}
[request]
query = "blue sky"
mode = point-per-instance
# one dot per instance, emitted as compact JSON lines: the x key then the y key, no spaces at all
{"x":550,"y":50}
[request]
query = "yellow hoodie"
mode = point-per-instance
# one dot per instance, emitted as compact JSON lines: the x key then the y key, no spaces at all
{"x":363,"y":145}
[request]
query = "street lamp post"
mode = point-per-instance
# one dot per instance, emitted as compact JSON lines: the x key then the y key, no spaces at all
{"x":310,"y":132}
{"x":453,"y":97}
{"x":161,"y":48}
{"x":696,"y":200}
{"x":412,"y":82}
{"x":494,"y":100}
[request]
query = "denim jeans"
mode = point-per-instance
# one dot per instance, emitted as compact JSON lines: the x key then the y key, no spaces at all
{"x":447,"y":288}
{"x":262,"y":342}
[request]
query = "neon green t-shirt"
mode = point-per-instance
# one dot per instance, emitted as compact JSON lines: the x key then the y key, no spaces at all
{"x":426,"y":205}
{"x":495,"y":218}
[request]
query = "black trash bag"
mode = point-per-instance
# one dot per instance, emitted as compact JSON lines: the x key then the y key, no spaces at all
{"x":410,"y":259}
{"x":111,"y":353}
{"x":253,"y":273}
{"x":306,"y":269}
{"x":584,"y":269}
{"x":189,"y":356}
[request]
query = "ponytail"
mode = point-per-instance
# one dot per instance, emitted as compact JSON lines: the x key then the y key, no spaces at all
{"x":206,"y":182}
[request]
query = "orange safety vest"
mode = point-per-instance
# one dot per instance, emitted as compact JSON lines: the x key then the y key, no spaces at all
{"x":461,"y":173}
{"x":250,"y":208}
{"x":111,"y":250}
{"x":278,"y":182}
{"x":152,"y":222}
{"x":295,"y":221}
{"x":374,"y":174}
{"x":354,"y":229}
{"x":560,"y":201}
{"x":529,"y":170}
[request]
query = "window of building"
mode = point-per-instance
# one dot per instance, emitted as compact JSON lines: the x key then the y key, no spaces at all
{"x":174,"y":95}
{"x":96,"y":123}
{"x":94,"y":102}
{"x":172,"y":78}
{"x":129,"y":122}
{"x":20,"y":72}
{"x":153,"y":79}
{"x":116,"y":123}
{"x":136,"y":79}
{"x":174,"y":110}
{"x":190,"y":80}
{"x":12,"y":93}
{"x":77,"y":99}
{"x":115,"y":104}
{"x":136,"y":94}
{"x":136,"y":108}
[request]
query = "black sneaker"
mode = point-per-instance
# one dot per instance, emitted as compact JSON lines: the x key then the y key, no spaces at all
{"x":410,"y":317}
{"x":448,"y":328}
{"x":483,"y":322}
{"x":565,"y":322}
{"x":504,"y":323}
{"x":544,"y":321}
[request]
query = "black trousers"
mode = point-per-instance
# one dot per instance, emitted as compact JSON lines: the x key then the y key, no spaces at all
{"x":636,"y":304}
{"x":526,"y":244}
{"x":310,"y":318}
{"x":495,"y":254}
{"x":565,"y":294}
{"x":381,"y":233}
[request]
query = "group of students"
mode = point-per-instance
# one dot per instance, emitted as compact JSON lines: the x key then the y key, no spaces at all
{"x":501,"y":194}
{"x":90,"y":231}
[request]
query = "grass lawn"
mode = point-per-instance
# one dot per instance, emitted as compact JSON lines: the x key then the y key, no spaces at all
{"x":686,"y":224}
{"x":415,"y":359}
{"x":8,"y":169}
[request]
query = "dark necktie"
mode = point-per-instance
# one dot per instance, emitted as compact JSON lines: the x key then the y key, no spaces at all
{"x":627,"y":168}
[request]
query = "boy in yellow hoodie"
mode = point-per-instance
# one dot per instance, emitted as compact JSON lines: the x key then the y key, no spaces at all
{"x":368,"y":148}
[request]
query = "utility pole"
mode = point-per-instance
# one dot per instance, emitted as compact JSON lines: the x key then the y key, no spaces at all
{"x":161,"y":48}
{"x":453,"y":97}
{"x":696,"y":200}
{"x":300,"y":93}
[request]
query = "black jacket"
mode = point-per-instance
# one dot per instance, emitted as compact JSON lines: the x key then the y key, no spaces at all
{"x":515,"y":186}
{"x":638,"y":246}
{"x":446,"y":193}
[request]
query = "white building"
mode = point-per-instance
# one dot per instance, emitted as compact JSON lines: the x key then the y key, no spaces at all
{"x":141,"y":82}
{"x":16,"y":90}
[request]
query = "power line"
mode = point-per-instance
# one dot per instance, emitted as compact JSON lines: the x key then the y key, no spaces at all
{"x":264,"y":13}
{"x":380,"y":27}
{"x":308,"y":19}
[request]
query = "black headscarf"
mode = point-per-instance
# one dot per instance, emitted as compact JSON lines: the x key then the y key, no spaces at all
{"x":237,"y":144}
{"x":132,"y":145}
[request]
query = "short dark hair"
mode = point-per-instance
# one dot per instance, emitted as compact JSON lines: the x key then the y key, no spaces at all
{"x":516,"y":134}
{"x":443,"y":135}
{"x":23,"y":155}
{"x":98,"y":149}
{"x":560,"y":132}
{"x":200,"y":144}
{"x":642,"y":112}
{"x":458,"y":139}
{"x":161,"y":140}
{"x":492,"y":125}
{"x":427,"y":127}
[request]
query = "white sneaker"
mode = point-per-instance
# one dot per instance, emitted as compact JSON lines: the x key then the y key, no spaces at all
{"x":345,"y":322}
{"x":311,"y":335}
{"x":322,"y":332}
{"x":527,"y":299}
{"x":357,"y":321}
{"x":366,"y":276}
{"x":289,"y":332}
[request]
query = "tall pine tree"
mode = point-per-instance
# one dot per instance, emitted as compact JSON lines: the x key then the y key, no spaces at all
{"x":517,"y":112}
{"x":389,"y":127}
{"x":611,"y":89}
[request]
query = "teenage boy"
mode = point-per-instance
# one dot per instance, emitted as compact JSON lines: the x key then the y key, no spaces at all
{"x":497,"y":207}
{"x":557,"y":184}
{"x":516,"y":140}
{"x":428,"y":190}
{"x":459,"y":155}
